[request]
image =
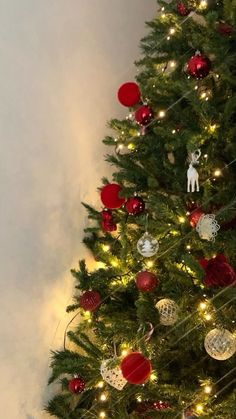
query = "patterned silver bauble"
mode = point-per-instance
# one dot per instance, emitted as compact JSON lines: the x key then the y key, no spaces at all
{"x":147,"y":245}
{"x":220,"y":344}
{"x":168,"y":311}
{"x":111,"y":373}
{"x":207,"y":227}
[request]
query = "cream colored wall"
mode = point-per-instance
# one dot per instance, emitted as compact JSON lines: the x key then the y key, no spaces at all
{"x":60,"y":65}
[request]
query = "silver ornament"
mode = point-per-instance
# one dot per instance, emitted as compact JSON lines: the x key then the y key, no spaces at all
{"x":111,"y":373}
{"x":147,"y":245}
{"x":220,"y":344}
{"x":207,"y":227}
{"x":168,"y":311}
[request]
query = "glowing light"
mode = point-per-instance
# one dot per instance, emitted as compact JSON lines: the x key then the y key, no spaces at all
{"x":162,"y":114}
{"x":188,"y":247}
{"x":162,"y":9}
{"x":103,"y":397}
{"x":205,"y":156}
{"x":114,"y":263}
{"x":199,"y":408}
{"x":102,"y":414}
{"x":208,"y":389}
{"x":172,"y":31}
{"x":196,"y":87}
{"x":212,"y":128}
{"x":100,"y":384}
{"x":150,"y":263}
{"x":105,"y":247}
{"x":139,"y":399}
{"x":173,"y":131}
{"x":181,"y":220}
{"x":131,"y":146}
{"x":172,"y":64}
{"x":203,"y":95}
{"x":217,"y":173}
{"x":202,"y":306}
{"x":203,"y":4}
{"x":163,"y":15}
{"x":168,"y":38}
{"x":153,"y":376}
{"x":208,"y":316}
{"x":124,"y":352}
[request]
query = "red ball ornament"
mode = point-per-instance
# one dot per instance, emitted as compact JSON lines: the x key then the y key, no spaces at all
{"x":108,"y":226}
{"x":135,"y":205}
{"x":110,"y":196}
{"x":225,"y":29}
{"x":146,"y":281}
{"x":136,"y":369}
{"x":129,"y":94}
{"x":194,"y":217}
{"x":143,"y":115}
{"x":218,"y":272}
{"x":198,"y":66}
{"x":106,"y":215}
{"x":146,"y":406}
{"x":90,"y":300}
{"x":76,"y":385}
{"x":182,"y":9}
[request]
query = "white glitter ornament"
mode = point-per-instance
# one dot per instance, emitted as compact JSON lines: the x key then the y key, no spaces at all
{"x":147,"y":245}
{"x":111,"y":373}
{"x":168,"y":311}
{"x":220,"y":344}
{"x":207,"y":227}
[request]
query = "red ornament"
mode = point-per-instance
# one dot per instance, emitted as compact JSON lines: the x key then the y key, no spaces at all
{"x":76,"y":385}
{"x":194,"y":217}
{"x":146,"y":281}
{"x":110,"y":196}
{"x":145,"y":406}
{"x":143,"y":115}
{"x":218,"y":272}
{"x":136,"y":369}
{"x":108,"y":226}
{"x":129,"y":94}
{"x":225,"y":29}
{"x":198,"y":66}
{"x":106,"y":215}
{"x":90,"y":300}
{"x":182,"y":9}
{"x":135,"y":205}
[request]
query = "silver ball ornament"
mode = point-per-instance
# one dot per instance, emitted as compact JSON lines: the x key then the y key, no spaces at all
{"x":147,"y":245}
{"x":220,"y":344}
{"x":168,"y":311}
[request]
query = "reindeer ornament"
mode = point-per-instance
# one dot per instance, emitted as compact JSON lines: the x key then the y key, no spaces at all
{"x":192,"y":173}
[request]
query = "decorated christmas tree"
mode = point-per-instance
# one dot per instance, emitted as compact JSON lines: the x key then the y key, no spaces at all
{"x":153,"y":333}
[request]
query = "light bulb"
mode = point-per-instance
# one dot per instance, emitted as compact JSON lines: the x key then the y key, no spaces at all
{"x":203,"y":95}
{"x":217,"y":173}
{"x":199,"y":408}
{"x":188,"y":247}
{"x":208,"y":316}
{"x":103,"y":397}
{"x":202,"y":306}
{"x":173,"y":131}
{"x":100,"y":384}
{"x":149,"y":263}
{"x":203,"y":4}
{"x":105,"y":247}
{"x":153,"y":376}
{"x":102,"y":414}
{"x":162,"y":114}
{"x":168,"y":38}
{"x":139,"y":399}
{"x":208,"y":389}
{"x":172,"y":31}
{"x":181,"y":220}
{"x":172,"y":64}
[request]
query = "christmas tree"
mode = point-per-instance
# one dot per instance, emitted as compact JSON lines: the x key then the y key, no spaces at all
{"x":155,"y":322}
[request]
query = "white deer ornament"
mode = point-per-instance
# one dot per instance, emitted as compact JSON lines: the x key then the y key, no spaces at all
{"x":192,"y":174}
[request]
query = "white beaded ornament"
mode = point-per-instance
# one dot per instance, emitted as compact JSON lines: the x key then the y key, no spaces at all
{"x":112,"y":374}
{"x":220,"y":344}
{"x":207,"y":227}
{"x":147,"y":245}
{"x":168,"y":311}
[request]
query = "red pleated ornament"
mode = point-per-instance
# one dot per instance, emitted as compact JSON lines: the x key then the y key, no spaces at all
{"x":198,"y":66}
{"x":146,"y":406}
{"x":225,"y":29}
{"x":90,"y":300}
{"x":136,"y":369}
{"x":182,"y":9}
{"x":143,"y":115}
{"x":107,"y":215}
{"x":108,"y":226}
{"x":135,"y":205}
{"x":146,"y":281}
{"x":194,"y":217}
{"x":110,"y":196}
{"x":76,"y":385}
{"x":218,"y":272}
{"x":129,"y":94}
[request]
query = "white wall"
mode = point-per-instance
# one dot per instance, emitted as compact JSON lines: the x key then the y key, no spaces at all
{"x":61,"y":62}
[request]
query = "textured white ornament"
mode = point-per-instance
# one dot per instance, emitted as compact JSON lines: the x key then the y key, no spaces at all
{"x":207,"y":227}
{"x":192,"y":173}
{"x":168,"y":311}
{"x":112,"y":374}
{"x":147,"y":245}
{"x":220,"y":344}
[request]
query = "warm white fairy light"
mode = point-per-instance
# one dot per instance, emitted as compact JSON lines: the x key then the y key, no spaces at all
{"x":173,"y":131}
{"x":103,"y":397}
{"x":203,"y":4}
{"x":162,"y":114}
{"x":105,"y":247}
{"x":217,"y":173}
{"x":205,"y":156}
{"x":202,"y":305}
{"x":203,"y":95}
{"x":181,"y":220}
{"x":102,"y":414}
{"x":188,"y":247}
{"x":208,"y":316}
{"x":208,"y":389}
{"x":172,"y":64}
{"x":168,"y":38}
{"x":172,"y":31}
{"x":153,"y":376}
{"x":139,"y":399}
{"x":150,"y":263}
{"x":199,"y":408}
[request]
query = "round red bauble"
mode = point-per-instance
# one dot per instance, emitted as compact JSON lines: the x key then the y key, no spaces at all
{"x":90,"y":300}
{"x":129,"y":94}
{"x":218,"y":272}
{"x":143,"y":115}
{"x":224,"y":29}
{"x":194,"y":217}
{"x":150,"y":405}
{"x":198,"y":66}
{"x":182,"y":9}
{"x":135,"y":368}
{"x":146,"y":281}
{"x":135,"y":205}
{"x":110,"y":196}
{"x":76,"y":385}
{"x":106,"y":215}
{"x":108,"y":226}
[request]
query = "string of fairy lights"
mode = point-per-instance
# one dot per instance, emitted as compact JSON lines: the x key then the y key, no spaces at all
{"x":205,"y":308}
